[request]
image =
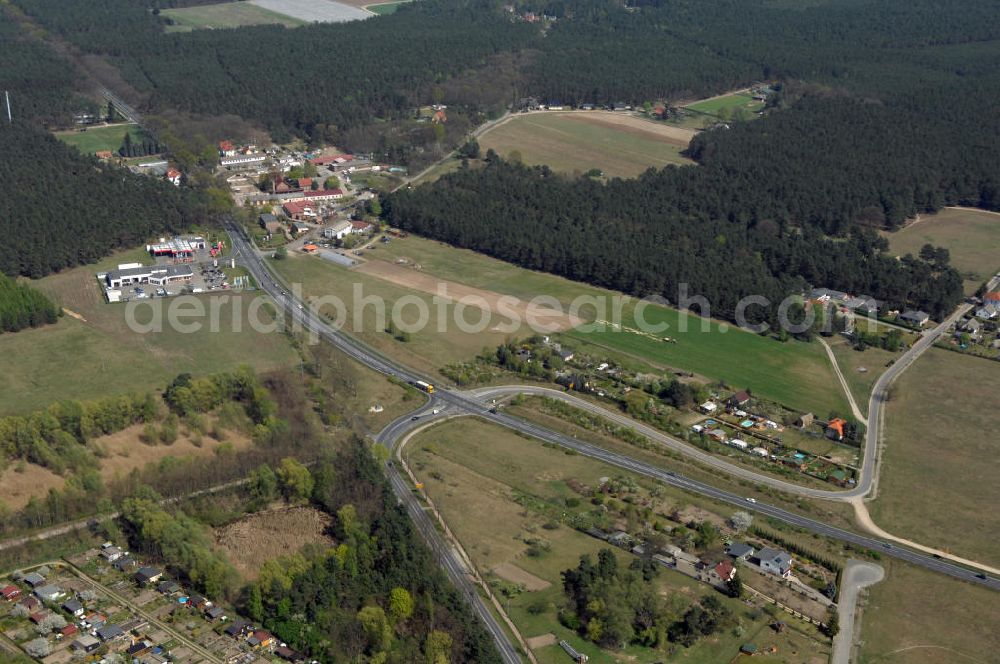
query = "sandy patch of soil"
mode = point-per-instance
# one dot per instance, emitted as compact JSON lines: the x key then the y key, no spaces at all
{"x":514,"y":574}
{"x":410,"y":277}
{"x":257,"y":538}
{"x":637,"y":126}
{"x":542,"y":641}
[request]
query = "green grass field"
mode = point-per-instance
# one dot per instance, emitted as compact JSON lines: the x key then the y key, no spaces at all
{"x":471,"y":467}
{"x":940,"y":463}
{"x":101,"y":138}
{"x":427,"y":349}
{"x":724,"y":107}
{"x":972,"y":237}
{"x":225,"y":15}
{"x":386,"y":7}
{"x":918,"y":617}
{"x":793,"y":373}
{"x":101,"y":355}
{"x":617,"y":145}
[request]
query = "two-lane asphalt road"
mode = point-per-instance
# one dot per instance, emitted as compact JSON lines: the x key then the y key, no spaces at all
{"x":451,"y":403}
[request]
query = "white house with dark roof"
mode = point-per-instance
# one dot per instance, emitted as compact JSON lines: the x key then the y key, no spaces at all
{"x":775,"y":561}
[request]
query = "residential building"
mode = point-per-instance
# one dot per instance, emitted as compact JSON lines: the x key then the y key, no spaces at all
{"x":110,"y":633}
{"x":242,"y":160}
{"x":124,"y":563}
{"x":708,"y":407}
{"x":835,"y":429}
{"x":147,"y":575}
{"x":10,"y":592}
{"x":917,"y":318}
{"x":725,"y":571}
{"x":49,"y":593}
{"x":270,"y":223}
{"x":73,"y":607}
{"x":34,"y":579}
{"x":168,"y":587}
{"x":740,"y":550}
{"x":988,"y":311}
{"x":775,"y":561}
{"x":323,"y":195}
{"x":338,"y":230}
{"x":299,"y":210}
{"x":739,"y":400}
{"x":174,"y":176}
{"x":297,"y":228}
{"x":227,"y":149}
{"x":360,"y":226}
{"x":214,"y":613}
{"x":805,"y":420}
{"x":86,"y":643}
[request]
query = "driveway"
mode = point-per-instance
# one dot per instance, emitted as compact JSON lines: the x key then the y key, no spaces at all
{"x":857,"y":576}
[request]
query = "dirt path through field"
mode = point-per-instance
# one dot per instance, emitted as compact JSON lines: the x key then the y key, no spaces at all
{"x":504,"y":306}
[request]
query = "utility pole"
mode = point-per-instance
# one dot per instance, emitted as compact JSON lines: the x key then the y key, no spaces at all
{"x":6,"y":95}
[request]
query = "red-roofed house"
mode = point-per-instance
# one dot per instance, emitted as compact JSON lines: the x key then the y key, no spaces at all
{"x":104,"y":154}
{"x":227,"y":149}
{"x":324,"y":195}
{"x":360,"y":226}
{"x":37,"y":618}
{"x":331,"y":159}
{"x":69,"y":630}
{"x":835,"y":429}
{"x":299,"y":210}
{"x":725,"y":570}
{"x":10,"y":592}
{"x":174,"y":177}
{"x":439,"y":117}
{"x":304,"y":183}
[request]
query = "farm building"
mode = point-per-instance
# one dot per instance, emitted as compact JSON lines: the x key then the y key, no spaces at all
{"x":805,"y":420}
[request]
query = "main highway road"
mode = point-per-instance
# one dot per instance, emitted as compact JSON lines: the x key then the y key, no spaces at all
{"x":451,"y":403}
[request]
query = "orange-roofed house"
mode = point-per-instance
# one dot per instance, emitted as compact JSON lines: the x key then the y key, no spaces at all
{"x":725,"y":570}
{"x":835,"y":429}
{"x":174,"y":176}
{"x":104,"y":154}
{"x":309,"y":248}
{"x":227,"y":149}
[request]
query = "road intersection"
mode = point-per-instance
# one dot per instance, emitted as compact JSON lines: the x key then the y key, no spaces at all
{"x":452,"y":403}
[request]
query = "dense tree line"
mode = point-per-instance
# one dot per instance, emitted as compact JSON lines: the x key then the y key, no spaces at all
{"x":316,"y":81}
{"x":88,"y":211}
{"x":614,"y":607}
{"x":59,"y":208}
{"x":22,"y":306}
{"x":42,"y":86}
{"x":57,"y":437}
{"x":650,"y":235}
{"x":376,"y":596}
{"x":182,"y":541}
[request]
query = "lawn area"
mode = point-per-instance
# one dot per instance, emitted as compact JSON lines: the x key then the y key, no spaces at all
{"x":225,"y":15}
{"x":972,"y":237}
{"x":471,"y":468}
{"x":385,"y":8}
{"x":724,"y":107}
{"x":97,"y":354}
{"x":101,"y":138}
{"x":793,"y":373}
{"x":940,"y":463}
{"x":860,"y":368}
{"x":918,"y":617}
{"x":616,"y":144}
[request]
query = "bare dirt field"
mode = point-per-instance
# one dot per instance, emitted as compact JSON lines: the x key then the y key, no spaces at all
{"x":514,"y":574}
{"x":637,"y":126}
{"x":125,"y":452}
{"x":541,"y":641}
{"x":411,"y":277}
{"x":252,"y":541}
